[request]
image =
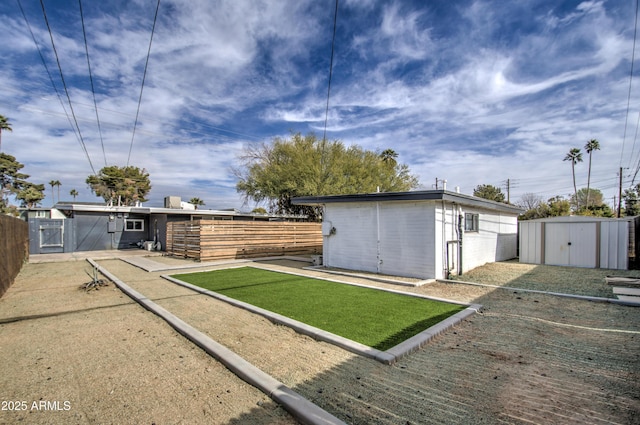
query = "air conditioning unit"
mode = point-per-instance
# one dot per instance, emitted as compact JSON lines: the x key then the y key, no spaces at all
{"x":172,"y":202}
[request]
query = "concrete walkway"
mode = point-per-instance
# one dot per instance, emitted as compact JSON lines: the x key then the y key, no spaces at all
{"x":95,"y":255}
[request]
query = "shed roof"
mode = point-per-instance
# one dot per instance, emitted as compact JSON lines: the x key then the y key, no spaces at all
{"x":418,"y":195}
{"x":578,"y":219}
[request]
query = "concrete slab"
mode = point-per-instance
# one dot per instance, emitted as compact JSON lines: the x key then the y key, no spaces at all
{"x":96,"y":255}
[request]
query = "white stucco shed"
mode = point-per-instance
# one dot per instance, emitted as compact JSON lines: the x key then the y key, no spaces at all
{"x":423,"y":234}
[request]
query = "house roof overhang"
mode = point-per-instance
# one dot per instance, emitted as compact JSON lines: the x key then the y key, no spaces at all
{"x":96,"y":208}
{"x":420,"y":195}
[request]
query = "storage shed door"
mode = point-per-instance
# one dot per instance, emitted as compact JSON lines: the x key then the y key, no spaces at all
{"x":570,"y":244}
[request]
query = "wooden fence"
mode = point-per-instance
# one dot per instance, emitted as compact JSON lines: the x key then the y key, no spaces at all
{"x":14,"y":249}
{"x":207,"y":240}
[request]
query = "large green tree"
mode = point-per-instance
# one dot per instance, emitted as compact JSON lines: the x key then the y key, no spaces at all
{"x":12,"y":181}
{"x":31,"y":195}
{"x":594,"y":196}
{"x":554,"y":207}
{"x":592,"y":201}
{"x":631,"y":198}
{"x":490,"y":192}
{"x":278,"y":171}
{"x":4,"y":125}
{"x":122,"y":186}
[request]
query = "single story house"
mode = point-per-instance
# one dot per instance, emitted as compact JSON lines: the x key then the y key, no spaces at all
{"x":71,"y":227}
{"x":580,"y":241}
{"x":424,"y":234}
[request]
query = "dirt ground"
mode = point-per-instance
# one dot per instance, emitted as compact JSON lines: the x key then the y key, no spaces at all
{"x":72,"y":356}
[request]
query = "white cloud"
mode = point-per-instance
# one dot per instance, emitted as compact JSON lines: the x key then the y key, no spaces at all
{"x":475,"y":95}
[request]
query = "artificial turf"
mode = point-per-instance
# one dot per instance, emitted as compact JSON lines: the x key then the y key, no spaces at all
{"x":376,"y":318}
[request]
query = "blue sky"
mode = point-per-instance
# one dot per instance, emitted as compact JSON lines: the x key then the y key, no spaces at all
{"x":474,"y":92}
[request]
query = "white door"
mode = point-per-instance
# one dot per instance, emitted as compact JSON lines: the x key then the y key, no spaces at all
{"x":570,"y":244}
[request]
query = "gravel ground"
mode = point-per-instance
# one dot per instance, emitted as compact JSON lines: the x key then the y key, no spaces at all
{"x":568,"y":280}
{"x":99,"y":358}
{"x":527,"y":358}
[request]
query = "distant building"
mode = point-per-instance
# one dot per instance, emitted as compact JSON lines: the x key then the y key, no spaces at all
{"x":71,"y":227}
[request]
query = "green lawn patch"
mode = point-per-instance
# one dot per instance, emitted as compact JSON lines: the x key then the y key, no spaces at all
{"x":376,"y":318}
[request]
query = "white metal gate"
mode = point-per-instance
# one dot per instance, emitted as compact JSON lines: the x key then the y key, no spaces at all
{"x":51,"y":235}
{"x":571,"y":244}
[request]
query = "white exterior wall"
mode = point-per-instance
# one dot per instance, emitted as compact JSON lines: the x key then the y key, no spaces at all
{"x":530,"y":242}
{"x":446,"y":229}
{"x":406,"y":238}
{"x":614,"y":242}
{"x":354,"y":244}
{"x":496,"y":239}
{"x":410,"y":238}
{"x":393,"y":238}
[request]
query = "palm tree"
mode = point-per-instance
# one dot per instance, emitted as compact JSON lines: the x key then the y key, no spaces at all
{"x":592,"y":145}
{"x":74,"y":193}
{"x":196,"y":202}
{"x":389,"y":156}
{"x":54,"y":183}
{"x":4,"y":125}
{"x":574,"y":156}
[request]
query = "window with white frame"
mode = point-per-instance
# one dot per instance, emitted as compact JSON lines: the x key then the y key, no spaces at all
{"x":134,"y":225}
{"x":471,"y":222}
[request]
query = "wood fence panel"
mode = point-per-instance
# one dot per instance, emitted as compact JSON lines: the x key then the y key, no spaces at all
{"x":208,"y":240}
{"x":14,"y":249}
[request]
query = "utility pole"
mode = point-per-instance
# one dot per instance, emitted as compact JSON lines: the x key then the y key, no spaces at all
{"x":620,"y":193}
{"x":507,"y":184}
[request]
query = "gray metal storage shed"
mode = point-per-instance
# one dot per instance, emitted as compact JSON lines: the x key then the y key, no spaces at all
{"x":578,"y":241}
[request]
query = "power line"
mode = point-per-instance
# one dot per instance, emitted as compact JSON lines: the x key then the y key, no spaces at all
{"x":64,"y":84}
{"x":191,"y":131}
{"x":144,"y":76}
{"x":86,"y":48}
{"x":112,"y":111}
{"x":333,"y":41}
{"x":626,"y":118}
{"x":44,"y":63}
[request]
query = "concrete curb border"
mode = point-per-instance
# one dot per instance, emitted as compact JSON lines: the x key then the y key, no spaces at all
{"x":323,"y":269}
{"x":388,"y":357}
{"x":148,"y":265}
{"x":299,"y":407}
{"x":536,"y":291}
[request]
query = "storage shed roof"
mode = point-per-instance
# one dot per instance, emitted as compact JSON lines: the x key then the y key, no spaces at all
{"x":579,"y":219}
